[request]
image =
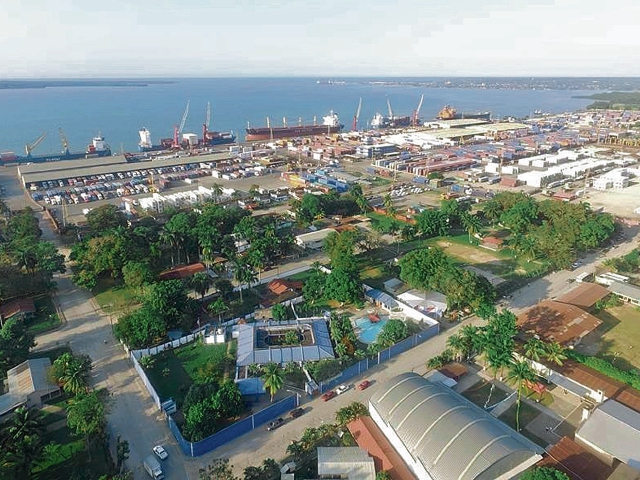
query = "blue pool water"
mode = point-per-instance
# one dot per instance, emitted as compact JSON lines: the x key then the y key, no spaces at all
{"x":367,"y":331}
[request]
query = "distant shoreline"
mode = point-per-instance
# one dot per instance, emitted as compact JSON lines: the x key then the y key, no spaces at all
{"x":30,"y":84}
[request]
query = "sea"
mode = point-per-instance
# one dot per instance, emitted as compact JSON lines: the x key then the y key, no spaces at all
{"x":118,"y":112}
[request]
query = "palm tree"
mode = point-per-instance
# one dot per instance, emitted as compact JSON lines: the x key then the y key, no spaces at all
{"x":458,"y":345}
{"x":26,"y":422}
{"x":170,"y":239}
{"x":388,"y":206}
{"x":473,"y":337}
{"x":217,"y":308}
{"x":534,"y":348}
{"x":216,"y":189}
{"x":72,"y":373}
{"x":244,"y":276}
{"x":201,"y":282}
{"x":471,"y":223}
{"x":555,"y":353}
{"x":520,"y":373}
{"x":273,"y":378}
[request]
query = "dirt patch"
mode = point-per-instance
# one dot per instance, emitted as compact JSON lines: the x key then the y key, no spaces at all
{"x":468,"y":254}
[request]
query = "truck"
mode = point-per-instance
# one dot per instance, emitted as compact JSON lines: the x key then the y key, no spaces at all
{"x":152,"y":466}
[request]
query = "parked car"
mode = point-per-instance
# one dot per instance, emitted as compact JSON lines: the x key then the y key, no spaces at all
{"x":364,"y":385}
{"x":296,"y":413}
{"x":275,"y":424}
{"x":342,"y":388}
{"x":160,"y":452}
{"x":328,"y":395}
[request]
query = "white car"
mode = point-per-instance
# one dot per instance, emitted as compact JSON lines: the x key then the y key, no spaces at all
{"x":160,"y":452}
{"x":342,"y":388}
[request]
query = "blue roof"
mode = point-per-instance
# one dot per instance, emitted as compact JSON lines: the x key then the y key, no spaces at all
{"x":383,"y":298}
{"x":249,"y":354}
{"x":251,"y":386}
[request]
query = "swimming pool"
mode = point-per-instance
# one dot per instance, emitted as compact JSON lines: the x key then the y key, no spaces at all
{"x":367,"y":331}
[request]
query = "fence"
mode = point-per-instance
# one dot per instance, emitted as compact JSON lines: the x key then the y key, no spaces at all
{"x":382,"y":356}
{"x":195,"y":449}
{"x":145,"y":380}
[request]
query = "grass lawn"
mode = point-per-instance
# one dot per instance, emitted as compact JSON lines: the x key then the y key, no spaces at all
{"x":71,"y":458}
{"x":113,"y":297}
{"x":479,"y":392}
{"x":383,"y":220}
{"x":527,"y":415}
{"x":46,"y":317}
{"x":620,"y":344}
{"x":183,"y":365}
{"x":378,"y":181}
{"x":375,"y":272}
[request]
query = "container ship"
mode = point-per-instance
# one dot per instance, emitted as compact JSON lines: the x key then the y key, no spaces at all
{"x":97,"y":148}
{"x":450,"y":113}
{"x":209,"y":139}
{"x":330,"y":124}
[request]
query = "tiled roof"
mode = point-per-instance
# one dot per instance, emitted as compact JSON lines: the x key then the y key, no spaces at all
{"x":575,"y":461}
{"x":557,"y":322}
{"x":14,"y":307}
{"x":185,"y":271}
{"x":584,"y":295}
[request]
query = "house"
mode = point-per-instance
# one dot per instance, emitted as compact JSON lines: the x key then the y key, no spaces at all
{"x":28,"y":384}
{"x":492,"y":243}
{"x":352,"y":463}
{"x":185,"y":271}
{"x":585,"y":295}
{"x":442,"y":435}
{"x":20,"y":308}
{"x":381,"y":299}
{"x":281,"y":291}
{"x":613,"y":430}
{"x":576,"y":461}
{"x":558,"y":322}
{"x":313,"y":240}
{"x":370,"y":438}
{"x":626,"y":291}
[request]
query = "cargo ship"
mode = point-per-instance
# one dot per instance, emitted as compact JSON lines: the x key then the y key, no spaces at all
{"x":208,"y":139}
{"x":330,"y":124}
{"x":450,"y":113}
{"x":145,"y":144}
{"x":97,"y":148}
{"x":382,"y":121}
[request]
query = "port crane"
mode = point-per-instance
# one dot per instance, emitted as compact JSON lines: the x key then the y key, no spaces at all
{"x":64,"y":141}
{"x":354,"y":127}
{"x":177,"y":131}
{"x":416,"y":113}
{"x":207,"y":122}
{"x":389,"y":108}
{"x":29,"y":147}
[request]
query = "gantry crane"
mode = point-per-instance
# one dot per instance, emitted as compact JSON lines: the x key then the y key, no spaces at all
{"x":177,"y":131}
{"x":29,"y":147}
{"x":416,"y":113}
{"x":356,"y":117}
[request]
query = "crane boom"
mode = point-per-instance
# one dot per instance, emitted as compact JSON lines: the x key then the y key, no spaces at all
{"x":63,"y":140}
{"x":28,"y":148}
{"x":356,"y":117}
{"x":389,"y":108}
{"x":184,"y":118}
{"x":416,"y":113}
{"x":208,"y":121}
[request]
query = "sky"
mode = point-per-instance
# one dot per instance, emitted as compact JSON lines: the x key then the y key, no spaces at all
{"x":328,"y":38}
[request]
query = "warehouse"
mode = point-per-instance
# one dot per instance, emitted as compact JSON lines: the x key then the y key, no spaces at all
{"x":443,"y":436}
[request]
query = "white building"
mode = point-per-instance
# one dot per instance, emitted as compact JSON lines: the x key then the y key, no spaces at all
{"x":313,"y":240}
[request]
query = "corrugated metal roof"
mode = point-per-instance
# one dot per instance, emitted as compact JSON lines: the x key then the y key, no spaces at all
{"x":352,"y":462}
{"x":625,"y":290}
{"x":451,"y":437}
{"x":384,"y":298}
{"x":23,"y":380}
{"x":249,"y":354}
{"x":615,"y":429}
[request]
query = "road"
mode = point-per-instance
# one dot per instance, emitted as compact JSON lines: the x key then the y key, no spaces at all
{"x":134,"y":417}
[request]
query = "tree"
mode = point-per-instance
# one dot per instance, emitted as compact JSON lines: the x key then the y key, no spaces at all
{"x":217,"y":308}
{"x":309,"y":209}
{"x":313,"y":288}
{"x":351,"y":412}
{"x":227,"y":401}
{"x":544,"y":473}
{"x":534,"y":349}
{"x":137,"y":274}
{"x":71,"y":372}
{"x":344,"y":286}
{"x":141,"y":328}
{"x":219,"y":469}
{"x":244,"y":276}
{"x":15,"y":343}
{"x":224,"y":287}
{"x":279,"y":312}
{"x":201,"y":282}
{"x":273,"y":378}
{"x":471,"y":224}
{"x":555,"y":353}
{"x":270,"y":470}
{"x":432,"y":223}
{"x":122,"y":452}
{"x":22,"y":442}
{"x":383,"y":475}
{"x":105,"y":217}
{"x":341,"y":249}
{"x":85,"y":416}
{"x":168,"y":299}
{"x":520,"y":373}
{"x":392,"y":332}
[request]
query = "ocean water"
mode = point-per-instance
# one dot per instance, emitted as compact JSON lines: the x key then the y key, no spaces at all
{"x":119,"y":112}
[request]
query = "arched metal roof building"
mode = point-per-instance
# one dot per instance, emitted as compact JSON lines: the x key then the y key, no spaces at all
{"x":443,"y":436}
